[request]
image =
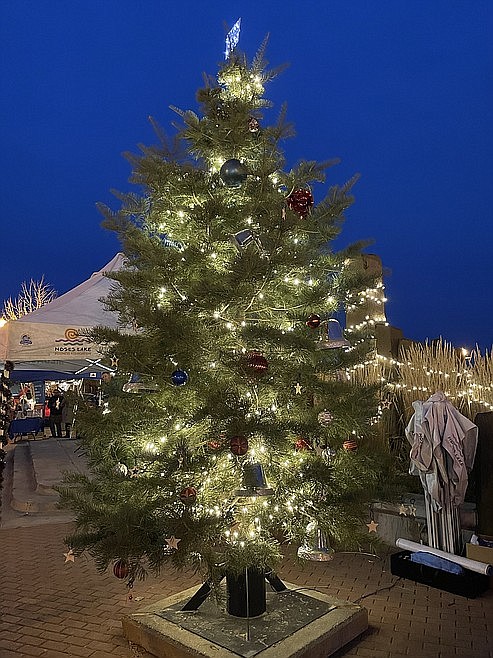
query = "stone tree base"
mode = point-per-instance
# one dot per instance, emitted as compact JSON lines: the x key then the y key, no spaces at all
{"x":297,"y":624}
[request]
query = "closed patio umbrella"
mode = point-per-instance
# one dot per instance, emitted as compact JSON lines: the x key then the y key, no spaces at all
{"x":443,"y":447}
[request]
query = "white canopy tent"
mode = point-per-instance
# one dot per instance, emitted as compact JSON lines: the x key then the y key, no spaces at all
{"x":52,"y":332}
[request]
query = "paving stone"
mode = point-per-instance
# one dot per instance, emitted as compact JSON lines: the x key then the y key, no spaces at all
{"x":31,"y":650}
{"x":53,"y":653}
{"x":50,"y":635}
{"x":100,"y":646}
{"x":31,"y":635}
{"x":81,"y":651}
{"x":11,"y":633}
{"x":6,"y":644}
{"x":55,"y":645}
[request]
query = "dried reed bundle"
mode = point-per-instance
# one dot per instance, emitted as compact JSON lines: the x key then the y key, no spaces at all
{"x":425,"y":368}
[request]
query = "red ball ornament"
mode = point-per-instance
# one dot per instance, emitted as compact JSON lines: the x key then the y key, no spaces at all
{"x":300,"y":201}
{"x":302,"y":444}
{"x":350,"y":445}
{"x":213,"y":445}
{"x":120,"y":569}
{"x":256,"y":362}
{"x":239,"y":445}
{"x":188,"y":495}
{"x":314,"y":321}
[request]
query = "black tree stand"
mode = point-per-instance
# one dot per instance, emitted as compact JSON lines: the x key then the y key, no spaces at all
{"x":246,"y":596}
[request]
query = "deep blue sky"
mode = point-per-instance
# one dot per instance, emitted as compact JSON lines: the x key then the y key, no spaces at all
{"x":400,"y":90}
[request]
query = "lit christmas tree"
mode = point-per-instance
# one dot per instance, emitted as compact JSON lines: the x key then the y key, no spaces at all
{"x":235,"y":427}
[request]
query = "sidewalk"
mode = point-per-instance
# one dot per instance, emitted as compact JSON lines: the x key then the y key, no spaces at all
{"x":59,"y":609}
{"x":36,"y":467}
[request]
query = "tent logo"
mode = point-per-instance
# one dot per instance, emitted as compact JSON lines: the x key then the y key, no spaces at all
{"x":25,"y":340}
{"x":72,"y":336}
{"x":71,"y":339}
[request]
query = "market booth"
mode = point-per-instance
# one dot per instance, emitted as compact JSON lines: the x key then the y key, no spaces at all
{"x":48,"y":347}
{"x":32,"y":380}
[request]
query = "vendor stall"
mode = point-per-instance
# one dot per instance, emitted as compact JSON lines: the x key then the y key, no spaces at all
{"x":51,"y":346}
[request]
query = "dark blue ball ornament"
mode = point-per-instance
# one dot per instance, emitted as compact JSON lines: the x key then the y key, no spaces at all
{"x":233,"y":173}
{"x":179,"y":377}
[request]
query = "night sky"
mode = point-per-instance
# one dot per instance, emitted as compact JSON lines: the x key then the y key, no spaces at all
{"x":400,"y":91}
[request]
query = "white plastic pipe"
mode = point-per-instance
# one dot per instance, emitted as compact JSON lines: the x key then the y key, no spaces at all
{"x":472,"y":565}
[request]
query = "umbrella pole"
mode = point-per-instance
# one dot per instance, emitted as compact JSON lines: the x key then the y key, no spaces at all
{"x":451,"y":517}
{"x":444,"y":531}
{"x":432,"y":523}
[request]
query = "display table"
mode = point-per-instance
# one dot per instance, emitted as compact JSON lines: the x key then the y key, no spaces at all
{"x":26,"y":426}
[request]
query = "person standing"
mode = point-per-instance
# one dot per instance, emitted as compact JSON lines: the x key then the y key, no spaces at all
{"x":68,"y":412}
{"x":56,"y":402}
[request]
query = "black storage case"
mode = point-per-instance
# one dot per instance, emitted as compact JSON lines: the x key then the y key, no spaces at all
{"x":469,"y":583}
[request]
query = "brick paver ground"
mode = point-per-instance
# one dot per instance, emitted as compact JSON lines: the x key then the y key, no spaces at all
{"x":54,"y":609}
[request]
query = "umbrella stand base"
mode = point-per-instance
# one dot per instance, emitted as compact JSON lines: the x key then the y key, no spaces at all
{"x":469,"y":584}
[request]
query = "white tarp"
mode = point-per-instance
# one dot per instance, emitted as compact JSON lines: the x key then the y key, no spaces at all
{"x":53,"y":331}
